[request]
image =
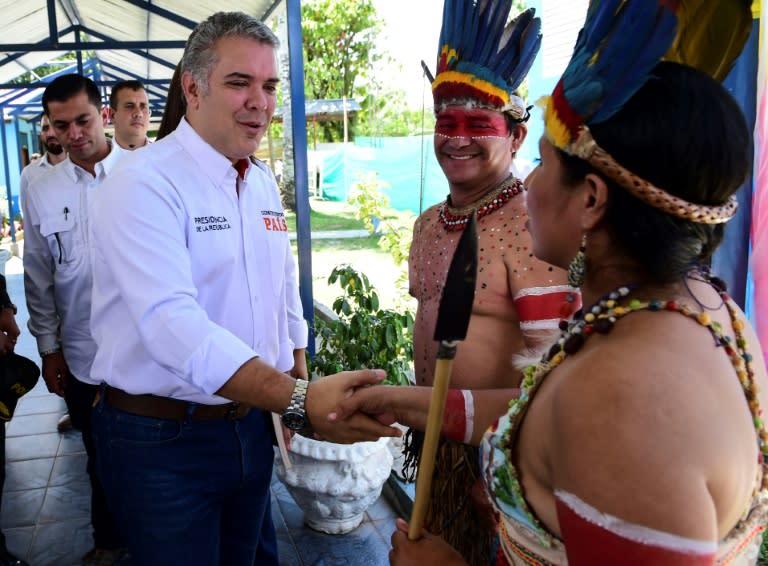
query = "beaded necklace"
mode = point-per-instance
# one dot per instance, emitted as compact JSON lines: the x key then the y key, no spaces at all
{"x":454,"y":219}
{"x":603,"y":315}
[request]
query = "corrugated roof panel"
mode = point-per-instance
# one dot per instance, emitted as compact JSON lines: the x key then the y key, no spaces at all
{"x":26,"y":22}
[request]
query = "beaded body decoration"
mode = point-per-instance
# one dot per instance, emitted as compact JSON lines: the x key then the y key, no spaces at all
{"x":507,"y":491}
{"x":602,"y":316}
{"x":454,"y":219}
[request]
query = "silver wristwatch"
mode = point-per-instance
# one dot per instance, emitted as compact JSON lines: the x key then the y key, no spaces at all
{"x":295,"y":416}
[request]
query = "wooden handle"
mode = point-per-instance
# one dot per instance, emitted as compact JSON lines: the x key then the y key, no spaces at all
{"x":278,"y":426}
{"x":429,"y":448}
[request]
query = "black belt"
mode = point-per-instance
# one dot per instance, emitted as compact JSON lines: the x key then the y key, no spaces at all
{"x":171,"y":409}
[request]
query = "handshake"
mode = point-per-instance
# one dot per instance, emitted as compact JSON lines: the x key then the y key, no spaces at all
{"x":348,"y":407}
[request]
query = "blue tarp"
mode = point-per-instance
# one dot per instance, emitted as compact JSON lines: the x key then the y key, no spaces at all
{"x":396,"y":161}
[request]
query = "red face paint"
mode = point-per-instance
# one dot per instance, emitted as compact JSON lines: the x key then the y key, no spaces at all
{"x":457,"y":122}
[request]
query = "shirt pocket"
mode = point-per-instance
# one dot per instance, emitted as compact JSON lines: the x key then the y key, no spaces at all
{"x":61,"y":233}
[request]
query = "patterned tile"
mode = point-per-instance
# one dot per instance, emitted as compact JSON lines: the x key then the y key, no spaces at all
{"x":48,"y":403}
{"x":71,"y":443}
{"x":32,"y":424}
{"x":45,"y":511}
{"x":64,"y":502}
{"x":68,"y":469}
{"x":27,"y":474}
{"x":32,"y":446}
{"x":62,"y":543}
{"x":21,"y":508}
{"x":362,"y":547}
{"x":19,"y":540}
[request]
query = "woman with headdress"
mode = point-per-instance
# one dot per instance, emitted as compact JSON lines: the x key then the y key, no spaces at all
{"x":638,"y":438}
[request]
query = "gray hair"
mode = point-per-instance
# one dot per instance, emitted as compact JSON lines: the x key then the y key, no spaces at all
{"x":199,"y":55}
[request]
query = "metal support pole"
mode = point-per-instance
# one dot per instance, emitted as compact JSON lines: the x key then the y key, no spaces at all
{"x":299,"y":128}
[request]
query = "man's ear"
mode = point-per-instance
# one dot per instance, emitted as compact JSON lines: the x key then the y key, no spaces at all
{"x":595,"y":200}
{"x":518,"y":134}
{"x":191,"y":90}
{"x":106,"y":114}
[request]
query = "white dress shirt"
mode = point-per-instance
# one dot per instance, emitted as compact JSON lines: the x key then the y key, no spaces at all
{"x":57,"y":259}
{"x":32,"y":171}
{"x":190,"y":281}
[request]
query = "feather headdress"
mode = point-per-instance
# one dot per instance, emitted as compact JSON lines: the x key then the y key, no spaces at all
{"x":616,"y":50}
{"x":481,"y":58}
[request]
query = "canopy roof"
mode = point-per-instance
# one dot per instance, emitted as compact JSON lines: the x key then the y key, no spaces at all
{"x":115,"y":40}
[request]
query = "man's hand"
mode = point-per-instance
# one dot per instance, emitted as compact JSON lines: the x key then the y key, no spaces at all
{"x":55,"y":373}
{"x":9,"y":331}
{"x":299,"y":369}
{"x":324,"y":396}
{"x":427,"y":551}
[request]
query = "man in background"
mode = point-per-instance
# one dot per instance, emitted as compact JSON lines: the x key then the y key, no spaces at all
{"x":57,"y":271}
{"x":53,"y":154}
{"x":130,"y":112}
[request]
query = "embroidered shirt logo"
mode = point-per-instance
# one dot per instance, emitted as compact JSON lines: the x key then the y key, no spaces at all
{"x":207,"y":223}
{"x":274,"y":221}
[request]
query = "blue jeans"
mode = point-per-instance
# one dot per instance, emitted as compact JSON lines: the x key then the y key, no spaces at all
{"x":193,"y":492}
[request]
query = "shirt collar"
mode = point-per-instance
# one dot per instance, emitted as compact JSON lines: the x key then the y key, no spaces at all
{"x":213,"y":164}
{"x":102,"y":168}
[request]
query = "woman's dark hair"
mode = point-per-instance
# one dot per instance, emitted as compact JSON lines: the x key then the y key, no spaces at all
{"x":684,"y":133}
{"x":175,"y":106}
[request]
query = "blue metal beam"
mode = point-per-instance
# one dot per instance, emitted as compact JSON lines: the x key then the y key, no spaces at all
{"x":45,"y":82}
{"x":299,"y":129}
{"x":268,"y":11}
{"x":111,"y":45}
{"x":144,"y":54}
{"x":53,"y":29}
{"x":122,"y":74}
{"x":167,"y":14}
{"x":8,"y":193}
{"x":11,"y":58}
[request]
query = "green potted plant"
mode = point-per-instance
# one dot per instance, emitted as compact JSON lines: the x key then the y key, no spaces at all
{"x":364,"y":334}
{"x":335,"y":483}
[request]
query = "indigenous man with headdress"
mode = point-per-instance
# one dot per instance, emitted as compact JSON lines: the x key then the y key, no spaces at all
{"x":480,"y":125}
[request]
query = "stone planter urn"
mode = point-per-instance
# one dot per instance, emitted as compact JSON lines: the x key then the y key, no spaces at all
{"x":334,"y":484}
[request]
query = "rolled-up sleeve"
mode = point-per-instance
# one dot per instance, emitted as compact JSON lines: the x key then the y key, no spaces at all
{"x":298,"y":331}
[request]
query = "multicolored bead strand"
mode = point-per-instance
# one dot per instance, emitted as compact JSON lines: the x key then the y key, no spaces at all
{"x":456,"y":219}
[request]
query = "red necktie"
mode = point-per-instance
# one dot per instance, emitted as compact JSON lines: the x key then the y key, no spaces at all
{"x":241,"y":166}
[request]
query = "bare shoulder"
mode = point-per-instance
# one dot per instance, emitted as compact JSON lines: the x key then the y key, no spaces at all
{"x":643,"y":418}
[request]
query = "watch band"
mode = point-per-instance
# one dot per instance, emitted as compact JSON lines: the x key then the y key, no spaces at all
{"x":49,"y":352}
{"x":299,"y":396}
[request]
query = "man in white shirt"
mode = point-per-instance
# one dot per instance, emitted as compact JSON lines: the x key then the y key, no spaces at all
{"x":198,"y":321}
{"x":130,"y":112}
{"x":53,"y":154}
{"x":57,"y":271}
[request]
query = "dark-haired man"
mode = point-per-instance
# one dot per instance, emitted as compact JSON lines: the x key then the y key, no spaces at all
{"x":130,"y":112}
{"x":53,"y":154}
{"x":57,"y":270}
{"x":198,"y":321}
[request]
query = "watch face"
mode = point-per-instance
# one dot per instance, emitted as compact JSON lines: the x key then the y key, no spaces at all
{"x":294,"y":420}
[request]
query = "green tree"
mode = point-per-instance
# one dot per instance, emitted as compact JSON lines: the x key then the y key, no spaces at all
{"x":339,"y":50}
